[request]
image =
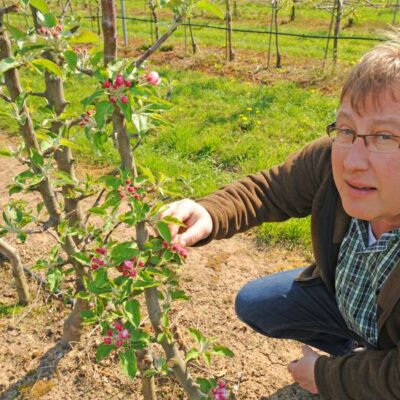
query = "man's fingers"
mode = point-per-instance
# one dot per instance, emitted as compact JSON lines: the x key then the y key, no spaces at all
{"x":291,"y":366}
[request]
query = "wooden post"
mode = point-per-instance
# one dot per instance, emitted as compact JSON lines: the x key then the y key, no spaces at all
{"x":396,"y":10}
{"x":123,"y":16}
{"x":230,"y":55}
{"x":339,"y":12}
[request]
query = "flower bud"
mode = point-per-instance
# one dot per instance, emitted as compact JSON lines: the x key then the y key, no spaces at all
{"x":118,"y":326}
{"x":101,"y":250}
{"x":119,"y":80}
{"x":112,"y":100}
{"x":128,"y":83}
{"x":153,"y":78}
{"x":124,"y":99}
{"x":107,"y":84}
{"x":107,"y":340}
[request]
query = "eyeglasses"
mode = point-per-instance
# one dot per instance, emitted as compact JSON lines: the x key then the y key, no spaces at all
{"x":380,"y":142}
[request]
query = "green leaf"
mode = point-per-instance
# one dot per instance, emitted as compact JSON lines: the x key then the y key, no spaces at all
{"x":81,"y":258}
{"x":53,"y":278}
{"x":6,"y":153}
{"x":50,"y":20}
{"x":128,"y":363}
{"x":223,"y":351}
{"x":85,"y":37}
{"x":132,"y":312}
{"x":103,"y":351}
{"x":41,"y":5}
{"x":205,"y":384}
{"x":8,"y":63}
{"x":90,"y":99}
{"x":36,"y":158}
{"x":49,"y":66}
{"x":103,"y":110}
{"x":196,"y":334}
{"x":164,"y":231}
{"x":64,"y":177}
{"x":68,"y":143}
{"x":211,"y":8}
{"x":207,"y":357}
{"x":83,"y":295}
{"x":123,"y":251}
{"x":15,"y":32}
{"x":170,"y":220}
{"x":179,"y":295}
{"x":71,"y":58}
{"x":192,"y":354}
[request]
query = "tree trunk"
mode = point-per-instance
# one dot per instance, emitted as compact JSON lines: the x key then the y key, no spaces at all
{"x":109,"y":25}
{"x":17,"y":270}
{"x":26,"y":130}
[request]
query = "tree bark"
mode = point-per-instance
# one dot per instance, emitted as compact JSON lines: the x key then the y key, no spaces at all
{"x":171,"y":351}
{"x":26,"y":130}
{"x":17,"y":270}
{"x":109,"y":25}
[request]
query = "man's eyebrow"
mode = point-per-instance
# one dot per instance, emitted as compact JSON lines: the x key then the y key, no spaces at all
{"x":343,"y":114}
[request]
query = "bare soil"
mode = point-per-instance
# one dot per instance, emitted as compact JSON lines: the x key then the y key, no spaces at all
{"x":33,"y":366}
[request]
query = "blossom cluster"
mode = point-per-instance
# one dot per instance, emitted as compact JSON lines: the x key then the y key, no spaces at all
{"x":99,"y":261}
{"x":220,"y":392}
{"x":117,"y":335}
{"x":129,"y":267}
{"x":117,"y":88}
{"x":176,"y":248}
{"x":129,"y":189}
{"x":87,"y":119}
{"x":54,"y":32}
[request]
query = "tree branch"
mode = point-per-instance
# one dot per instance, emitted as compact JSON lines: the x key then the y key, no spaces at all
{"x":159,"y":42}
{"x":5,"y":98}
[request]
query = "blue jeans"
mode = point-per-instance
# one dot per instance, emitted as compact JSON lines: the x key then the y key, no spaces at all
{"x":280,"y":307}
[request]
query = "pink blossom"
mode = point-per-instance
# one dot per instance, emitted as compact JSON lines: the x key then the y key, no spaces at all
{"x":128,"y":83}
{"x":153,"y":78}
{"x":107,"y":340}
{"x":101,"y":250}
{"x":118,"y":326}
{"x":124,"y":99}
{"x":113,"y":100}
{"x":124,"y":334}
{"x":119,"y":80}
{"x":127,"y":182}
{"x":119,"y":343}
{"x":107,"y":84}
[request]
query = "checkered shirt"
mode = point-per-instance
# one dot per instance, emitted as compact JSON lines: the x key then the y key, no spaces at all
{"x":360,"y":272}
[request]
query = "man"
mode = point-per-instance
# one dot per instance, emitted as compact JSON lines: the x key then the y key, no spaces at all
{"x":350,"y":184}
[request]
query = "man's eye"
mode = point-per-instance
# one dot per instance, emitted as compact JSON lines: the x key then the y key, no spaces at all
{"x":382,"y":137}
{"x":346,"y":132}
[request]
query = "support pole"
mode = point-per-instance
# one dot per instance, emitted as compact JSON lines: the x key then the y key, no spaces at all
{"x":124,"y":30}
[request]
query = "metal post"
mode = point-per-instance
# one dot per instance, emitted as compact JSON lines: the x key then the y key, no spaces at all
{"x":125,"y":33}
{"x":396,"y":10}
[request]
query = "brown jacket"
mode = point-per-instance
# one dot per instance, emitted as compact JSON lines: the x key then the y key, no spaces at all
{"x":301,"y":186}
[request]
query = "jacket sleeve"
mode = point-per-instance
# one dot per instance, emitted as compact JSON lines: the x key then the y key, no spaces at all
{"x":282,"y":192}
{"x":367,"y":375}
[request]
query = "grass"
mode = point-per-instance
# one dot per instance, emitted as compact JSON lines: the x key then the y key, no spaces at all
{"x":10,"y":310}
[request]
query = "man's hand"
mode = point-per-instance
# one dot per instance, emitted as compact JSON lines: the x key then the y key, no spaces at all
{"x":196,"y":218}
{"x":302,"y":370}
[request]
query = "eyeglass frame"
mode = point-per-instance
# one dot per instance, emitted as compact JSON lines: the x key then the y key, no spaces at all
{"x":332,"y":127}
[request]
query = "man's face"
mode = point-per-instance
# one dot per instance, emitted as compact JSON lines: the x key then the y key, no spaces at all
{"x":369,"y":182}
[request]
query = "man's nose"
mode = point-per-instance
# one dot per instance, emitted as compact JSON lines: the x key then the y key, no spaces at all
{"x":357,"y":155}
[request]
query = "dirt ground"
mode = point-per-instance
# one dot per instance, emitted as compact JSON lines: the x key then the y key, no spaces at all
{"x":33,"y":366}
